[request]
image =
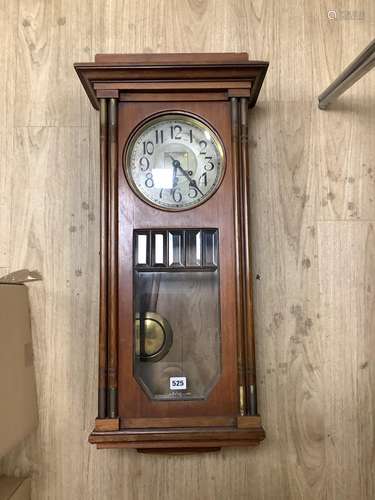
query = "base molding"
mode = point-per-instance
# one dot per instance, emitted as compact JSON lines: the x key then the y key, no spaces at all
{"x":107,"y":424}
{"x":180,"y":440}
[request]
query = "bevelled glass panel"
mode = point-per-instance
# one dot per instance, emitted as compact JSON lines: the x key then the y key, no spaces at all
{"x":142,"y":249}
{"x":176,"y":248}
{"x":159,"y":249}
{"x":210,"y":247}
{"x":193,"y":248}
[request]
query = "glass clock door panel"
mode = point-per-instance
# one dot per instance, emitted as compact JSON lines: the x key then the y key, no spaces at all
{"x":177,"y":313}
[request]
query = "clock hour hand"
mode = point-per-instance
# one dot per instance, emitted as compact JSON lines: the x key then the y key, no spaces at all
{"x":190,"y":172}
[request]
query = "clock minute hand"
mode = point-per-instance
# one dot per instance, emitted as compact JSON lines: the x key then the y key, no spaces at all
{"x":192,"y":182}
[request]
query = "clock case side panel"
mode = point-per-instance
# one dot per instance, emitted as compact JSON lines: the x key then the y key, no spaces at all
{"x":134,"y":405}
{"x":243,"y":260}
{"x":107,"y":369}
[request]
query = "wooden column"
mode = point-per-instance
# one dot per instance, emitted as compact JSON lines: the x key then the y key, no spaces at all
{"x":113,"y":260}
{"x":103,"y":301}
{"x":239,"y":260}
{"x":250,"y":375}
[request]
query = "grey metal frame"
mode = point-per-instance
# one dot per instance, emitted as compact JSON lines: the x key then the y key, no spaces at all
{"x":359,"y":67}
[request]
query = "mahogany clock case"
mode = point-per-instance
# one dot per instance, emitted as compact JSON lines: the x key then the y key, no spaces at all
{"x":130,"y":90}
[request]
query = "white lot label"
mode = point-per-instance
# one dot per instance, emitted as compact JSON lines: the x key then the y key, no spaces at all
{"x":177,"y":383}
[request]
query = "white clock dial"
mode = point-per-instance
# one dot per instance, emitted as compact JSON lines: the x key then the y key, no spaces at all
{"x":174,"y":162}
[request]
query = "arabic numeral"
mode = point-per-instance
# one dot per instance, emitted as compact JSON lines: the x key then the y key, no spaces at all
{"x":177,"y":195}
{"x":177,"y":383}
{"x":203,"y":147}
{"x":176,"y":132}
{"x":193,"y":192}
{"x":149,"y":182}
{"x":209,"y":166}
{"x":144,"y":163}
{"x":203,"y":178}
{"x":148,"y":147}
{"x":159,"y":136}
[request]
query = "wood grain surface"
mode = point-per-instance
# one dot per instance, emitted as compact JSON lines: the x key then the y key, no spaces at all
{"x":214,"y":213}
{"x":313,"y":228}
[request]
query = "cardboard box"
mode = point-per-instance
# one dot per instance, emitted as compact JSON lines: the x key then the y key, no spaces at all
{"x":18,"y":405}
{"x":14,"y":488}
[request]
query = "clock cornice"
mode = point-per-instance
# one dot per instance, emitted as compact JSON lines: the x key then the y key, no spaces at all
{"x":209,"y":72}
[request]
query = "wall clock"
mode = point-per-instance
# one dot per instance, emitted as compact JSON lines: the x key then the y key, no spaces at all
{"x":176,"y":340}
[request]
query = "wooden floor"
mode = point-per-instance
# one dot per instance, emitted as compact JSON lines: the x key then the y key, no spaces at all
{"x":313,"y":226}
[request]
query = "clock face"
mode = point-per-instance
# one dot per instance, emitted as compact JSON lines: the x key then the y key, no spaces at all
{"x":174,"y":162}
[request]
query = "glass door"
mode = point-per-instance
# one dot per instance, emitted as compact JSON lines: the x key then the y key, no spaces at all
{"x":177,"y":353}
